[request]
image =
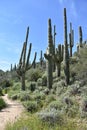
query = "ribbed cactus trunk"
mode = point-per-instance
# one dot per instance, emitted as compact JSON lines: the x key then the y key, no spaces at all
{"x":66,"y":53}
{"x":58,"y":61}
{"x":71,"y":39}
{"x":24,"y":61}
{"x":54,"y":66}
{"x":41,"y":58}
{"x":80,"y":36}
{"x":23,"y":81}
{"x":48,"y":56}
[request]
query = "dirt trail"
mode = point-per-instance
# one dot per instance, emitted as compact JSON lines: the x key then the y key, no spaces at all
{"x":11,"y":113}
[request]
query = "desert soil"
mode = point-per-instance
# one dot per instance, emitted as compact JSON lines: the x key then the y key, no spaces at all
{"x":10,"y":113}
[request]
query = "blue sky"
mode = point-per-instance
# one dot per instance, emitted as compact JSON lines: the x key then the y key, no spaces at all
{"x":16,"y":15}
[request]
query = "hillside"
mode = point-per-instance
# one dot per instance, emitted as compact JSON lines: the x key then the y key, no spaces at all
{"x":62,"y":107}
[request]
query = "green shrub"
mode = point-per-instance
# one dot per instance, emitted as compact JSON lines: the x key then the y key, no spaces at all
{"x":34,"y":74}
{"x":1,"y":93}
{"x":32,"y":86}
{"x":44,"y":79}
{"x":2,"y":104}
{"x":24,"y":96}
{"x":31,"y":106}
{"x":83,"y":107}
{"x":58,"y":105}
{"x":51,"y":117}
{"x":14,"y":97}
{"x":39,"y":82}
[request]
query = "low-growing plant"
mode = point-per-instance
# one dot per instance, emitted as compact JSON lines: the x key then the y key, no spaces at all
{"x":31,"y":106}
{"x":32,"y":86}
{"x":2,"y":104}
{"x":51,"y":117}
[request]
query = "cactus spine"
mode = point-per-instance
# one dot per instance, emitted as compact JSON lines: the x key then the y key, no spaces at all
{"x":48,"y":56}
{"x":66,"y":53}
{"x":24,"y":61}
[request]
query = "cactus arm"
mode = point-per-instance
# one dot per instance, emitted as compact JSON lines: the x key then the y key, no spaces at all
{"x":28,"y":67}
{"x":28,"y":57}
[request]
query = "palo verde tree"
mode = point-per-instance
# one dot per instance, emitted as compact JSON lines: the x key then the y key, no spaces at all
{"x":24,"y":64}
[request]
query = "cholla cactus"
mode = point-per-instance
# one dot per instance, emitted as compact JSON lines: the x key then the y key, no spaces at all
{"x":66,"y":53}
{"x":24,"y":61}
{"x":48,"y":56}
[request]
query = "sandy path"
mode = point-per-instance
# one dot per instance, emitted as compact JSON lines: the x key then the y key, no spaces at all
{"x":11,"y":113}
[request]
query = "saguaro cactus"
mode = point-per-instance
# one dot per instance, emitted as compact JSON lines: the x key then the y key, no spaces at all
{"x":71,"y":39}
{"x":58,"y":59}
{"x":24,"y":61}
{"x":66,"y":53}
{"x":54,"y":35}
{"x":41,"y":58}
{"x":80,"y":36}
{"x":48,"y":56}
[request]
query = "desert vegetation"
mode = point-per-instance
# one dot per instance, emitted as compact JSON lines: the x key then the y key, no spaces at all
{"x":53,"y":90}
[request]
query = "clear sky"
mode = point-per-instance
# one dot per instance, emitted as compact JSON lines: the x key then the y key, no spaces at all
{"x":16,"y":15}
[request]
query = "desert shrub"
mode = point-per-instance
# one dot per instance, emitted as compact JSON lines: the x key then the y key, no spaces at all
{"x":55,"y":86}
{"x":14,"y":97}
{"x":58,"y":105}
{"x":49,"y":99}
{"x":34,"y":74}
{"x":24,"y":96}
{"x":74,"y":89}
{"x":7,"y":83}
{"x":83,"y":107}
{"x":16,"y":86}
{"x":39,"y":82}
{"x":31,"y":106}
{"x":39,"y":96}
{"x":2,"y":104}
{"x":1,"y":93}
{"x":32,"y":86}
{"x":70,"y":107}
{"x":51,"y":117}
{"x":44,"y":79}
{"x":46,"y":91}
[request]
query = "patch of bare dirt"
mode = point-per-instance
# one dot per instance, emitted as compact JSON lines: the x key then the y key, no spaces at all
{"x":10,"y":113}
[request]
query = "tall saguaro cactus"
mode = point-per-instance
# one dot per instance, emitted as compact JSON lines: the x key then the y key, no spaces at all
{"x":71,"y":39}
{"x":66,"y":53}
{"x":54,"y":35}
{"x":48,"y":56}
{"x":80,"y":36}
{"x":24,"y":61}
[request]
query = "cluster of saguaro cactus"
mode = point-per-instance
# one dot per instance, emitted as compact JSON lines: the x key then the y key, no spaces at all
{"x":66,"y":52}
{"x":71,"y":39}
{"x":24,"y":65}
{"x":48,"y":56}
